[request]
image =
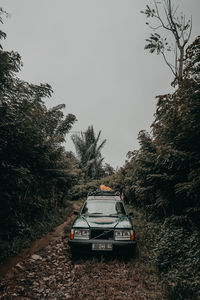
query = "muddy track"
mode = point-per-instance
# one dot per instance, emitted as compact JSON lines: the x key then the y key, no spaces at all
{"x":38,"y":244}
{"x":45,"y":270}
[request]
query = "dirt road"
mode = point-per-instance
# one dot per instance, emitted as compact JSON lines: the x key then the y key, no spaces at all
{"x":46,"y":271}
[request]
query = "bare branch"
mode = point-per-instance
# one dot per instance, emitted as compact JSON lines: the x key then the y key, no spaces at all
{"x":169,"y":65}
{"x":190,"y":31}
{"x":159,"y":18}
{"x":173,"y":25}
{"x":176,"y":60}
{"x":182,"y":35}
{"x":175,"y":11}
{"x":155,"y":28}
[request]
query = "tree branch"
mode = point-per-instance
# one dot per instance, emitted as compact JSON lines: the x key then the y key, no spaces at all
{"x":155,"y":28}
{"x":159,"y":18}
{"x":189,"y":34}
{"x":168,"y":64}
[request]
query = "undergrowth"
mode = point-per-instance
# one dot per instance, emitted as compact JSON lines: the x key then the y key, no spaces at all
{"x":28,"y":232}
{"x":178,"y":259}
{"x":172,"y":250}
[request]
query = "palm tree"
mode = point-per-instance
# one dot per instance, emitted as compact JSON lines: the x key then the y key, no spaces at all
{"x":89,"y":152}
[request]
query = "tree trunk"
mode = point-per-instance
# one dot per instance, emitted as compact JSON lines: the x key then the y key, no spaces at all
{"x":181,"y":60}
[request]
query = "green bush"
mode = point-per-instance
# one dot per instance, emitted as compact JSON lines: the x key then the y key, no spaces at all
{"x":25,"y":233}
{"x":80,"y":191}
{"x":178,"y":258}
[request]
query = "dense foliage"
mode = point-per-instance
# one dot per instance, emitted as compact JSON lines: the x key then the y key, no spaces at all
{"x":163,"y":178}
{"x":35,"y":170}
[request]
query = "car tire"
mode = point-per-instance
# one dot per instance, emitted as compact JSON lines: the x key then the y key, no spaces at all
{"x":75,"y":255}
{"x":135,"y":253}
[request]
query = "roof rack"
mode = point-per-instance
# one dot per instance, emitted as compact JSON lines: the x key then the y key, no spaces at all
{"x":104,"y":193}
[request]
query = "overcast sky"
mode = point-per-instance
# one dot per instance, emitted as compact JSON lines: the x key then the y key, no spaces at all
{"x":92,"y":54}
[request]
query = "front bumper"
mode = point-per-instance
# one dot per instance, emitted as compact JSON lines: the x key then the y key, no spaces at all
{"x":85,"y":246}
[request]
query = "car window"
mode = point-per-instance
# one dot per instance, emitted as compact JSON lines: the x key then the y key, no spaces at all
{"x":102,"y":207}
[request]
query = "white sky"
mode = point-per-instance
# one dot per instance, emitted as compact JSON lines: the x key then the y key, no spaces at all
{"x":92,"y":54}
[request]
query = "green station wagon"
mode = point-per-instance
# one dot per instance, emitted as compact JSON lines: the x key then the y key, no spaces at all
{"x":102,"y":225}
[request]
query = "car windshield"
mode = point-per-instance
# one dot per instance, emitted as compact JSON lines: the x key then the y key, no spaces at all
{"x":102,"y":207}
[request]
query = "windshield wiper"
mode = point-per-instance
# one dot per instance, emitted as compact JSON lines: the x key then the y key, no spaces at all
{"x":116,"y":215}
{"x":95,"y":214}
{"x":113,"y":215}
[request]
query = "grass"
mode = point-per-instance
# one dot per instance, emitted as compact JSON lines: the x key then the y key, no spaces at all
{"x":34,"y":231}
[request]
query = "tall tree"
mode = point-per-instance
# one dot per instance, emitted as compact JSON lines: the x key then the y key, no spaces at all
{"x":89,"y":152}
{"x":167,"y":20}
{"x":34,"y":169}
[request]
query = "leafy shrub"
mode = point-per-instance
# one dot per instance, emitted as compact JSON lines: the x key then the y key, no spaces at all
{"x":12,"y":244}
{"x":80,"y":191}
{"x":178,"y":258}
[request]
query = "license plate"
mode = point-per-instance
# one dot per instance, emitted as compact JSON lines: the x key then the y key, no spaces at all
{"x":102,"y":247}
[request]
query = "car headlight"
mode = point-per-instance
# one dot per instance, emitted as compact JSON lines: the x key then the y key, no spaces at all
{"x":124,"y":235}
{"x":80,"y":234}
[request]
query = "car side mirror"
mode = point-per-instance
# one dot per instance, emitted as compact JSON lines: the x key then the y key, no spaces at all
{"x":130,"y":214}
{"x":76,"y":212}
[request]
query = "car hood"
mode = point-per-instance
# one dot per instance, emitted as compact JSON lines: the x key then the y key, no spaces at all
{"x":102,"y":222}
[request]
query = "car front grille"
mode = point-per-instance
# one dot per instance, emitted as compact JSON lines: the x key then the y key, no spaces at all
{"x":99,"y":234}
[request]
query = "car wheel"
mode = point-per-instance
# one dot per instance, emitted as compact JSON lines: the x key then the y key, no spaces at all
{"x":75,"y":255}
{"x":133,"y":253}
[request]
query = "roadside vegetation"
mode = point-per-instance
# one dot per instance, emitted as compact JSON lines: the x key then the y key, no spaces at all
{"x":162,"y":178}
{"x":35,"y":169}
